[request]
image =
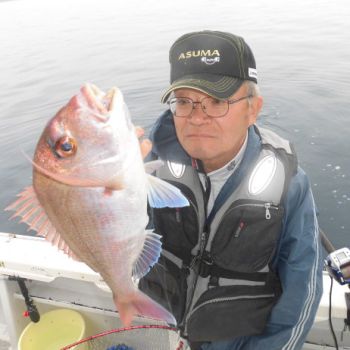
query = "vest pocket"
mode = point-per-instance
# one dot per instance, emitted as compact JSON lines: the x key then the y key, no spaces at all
{"x":224,"y":313}
{"x":246,"y":238}
{"x":166,"y":284}
{"x":179,"y":229}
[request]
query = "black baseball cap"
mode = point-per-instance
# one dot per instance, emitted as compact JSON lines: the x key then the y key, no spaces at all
{"x":213,"y":62}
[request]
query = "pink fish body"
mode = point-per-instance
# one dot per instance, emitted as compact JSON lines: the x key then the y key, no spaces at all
{"x":89,"y":196}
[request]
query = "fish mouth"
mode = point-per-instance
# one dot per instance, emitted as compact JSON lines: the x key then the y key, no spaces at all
{"x":101,"y":104}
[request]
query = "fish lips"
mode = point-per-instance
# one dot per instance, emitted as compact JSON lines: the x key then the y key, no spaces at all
{"x":96,"y":100}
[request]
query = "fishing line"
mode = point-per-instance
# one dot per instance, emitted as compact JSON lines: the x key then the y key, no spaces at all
{"x":330,"y":315}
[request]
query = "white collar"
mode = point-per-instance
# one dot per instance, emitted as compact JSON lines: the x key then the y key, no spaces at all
{"x":224,"y":172}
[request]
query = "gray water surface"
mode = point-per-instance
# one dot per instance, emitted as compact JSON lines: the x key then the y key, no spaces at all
{"x":50,"y":48}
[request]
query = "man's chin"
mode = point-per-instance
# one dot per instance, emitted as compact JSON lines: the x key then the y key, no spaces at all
{"x":198,"y":153}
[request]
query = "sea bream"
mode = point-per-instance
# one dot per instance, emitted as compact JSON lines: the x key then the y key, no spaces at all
{"x":89,"y":196}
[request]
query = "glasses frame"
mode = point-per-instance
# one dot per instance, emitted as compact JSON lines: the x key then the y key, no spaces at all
{"x":229,"y":102}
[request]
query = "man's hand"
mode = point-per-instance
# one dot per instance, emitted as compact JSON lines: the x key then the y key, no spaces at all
{"x":146,"y":144}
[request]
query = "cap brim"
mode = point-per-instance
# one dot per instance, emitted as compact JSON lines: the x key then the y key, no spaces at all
{"x":218,"y":86}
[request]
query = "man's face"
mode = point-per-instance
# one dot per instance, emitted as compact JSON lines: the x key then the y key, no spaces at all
{"x":215,"y":141}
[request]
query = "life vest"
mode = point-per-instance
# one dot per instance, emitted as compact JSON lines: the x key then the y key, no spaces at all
{"x":215,"y":275}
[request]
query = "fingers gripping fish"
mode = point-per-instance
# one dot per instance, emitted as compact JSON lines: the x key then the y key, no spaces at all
{"x":89,"y":196}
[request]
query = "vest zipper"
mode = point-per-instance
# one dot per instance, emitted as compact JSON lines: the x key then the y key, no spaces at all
{"x":192,"y":264}
{"x":202,"y":244}
{"x":198,"y":257}
{"x":195,"y":209}
{"x":268,"y":207}
{"x":267,"y":211}
{"x":217,"y":300}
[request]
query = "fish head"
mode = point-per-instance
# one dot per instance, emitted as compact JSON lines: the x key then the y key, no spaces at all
{"x":89,"y":141}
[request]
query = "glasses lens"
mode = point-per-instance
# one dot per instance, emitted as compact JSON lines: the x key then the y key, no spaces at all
{"x":180,"y":106}
{"x":214,"y":108}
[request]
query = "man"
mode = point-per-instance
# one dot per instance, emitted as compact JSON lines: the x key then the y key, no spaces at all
{"x":241,"y":267}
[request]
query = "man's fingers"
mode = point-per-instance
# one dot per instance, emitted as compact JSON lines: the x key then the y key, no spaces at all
{"x":139,"y":131}
{"x":145,"y":146}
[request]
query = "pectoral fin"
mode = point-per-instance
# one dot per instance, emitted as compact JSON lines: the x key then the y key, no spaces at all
{"x":162,"y":194}
{"x":149,"y":255}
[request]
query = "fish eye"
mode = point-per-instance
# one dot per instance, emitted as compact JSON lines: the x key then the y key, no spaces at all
{"x":65,"y":147}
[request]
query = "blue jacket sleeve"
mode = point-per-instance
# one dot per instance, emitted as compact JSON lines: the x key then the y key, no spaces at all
{"x":299,"y":263}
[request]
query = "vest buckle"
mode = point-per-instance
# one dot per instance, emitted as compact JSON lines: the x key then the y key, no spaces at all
{"x":202,"y":264}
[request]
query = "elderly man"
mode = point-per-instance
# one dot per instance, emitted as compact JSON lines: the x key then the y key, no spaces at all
{"x":241,"y":266}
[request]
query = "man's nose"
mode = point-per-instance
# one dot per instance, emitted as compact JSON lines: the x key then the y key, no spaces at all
{"x":198,"y":115}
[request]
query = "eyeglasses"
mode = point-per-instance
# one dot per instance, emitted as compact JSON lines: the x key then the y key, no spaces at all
{"x":182,"y":107}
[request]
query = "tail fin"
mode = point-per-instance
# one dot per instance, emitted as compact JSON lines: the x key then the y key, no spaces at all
{"x":142,"y":305}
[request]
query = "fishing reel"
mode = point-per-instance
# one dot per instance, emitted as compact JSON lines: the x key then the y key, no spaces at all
{"x":338,"y":265}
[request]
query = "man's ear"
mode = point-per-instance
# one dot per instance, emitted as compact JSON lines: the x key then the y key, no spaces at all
{"x":255,"y":106}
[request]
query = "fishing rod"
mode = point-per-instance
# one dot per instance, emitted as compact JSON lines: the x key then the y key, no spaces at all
{"x":337,"y":264}
{"x":327,"y":244}
{"x":32,"y":311}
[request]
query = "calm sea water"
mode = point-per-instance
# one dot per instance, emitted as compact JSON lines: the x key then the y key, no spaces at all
{"x":49,"y":49}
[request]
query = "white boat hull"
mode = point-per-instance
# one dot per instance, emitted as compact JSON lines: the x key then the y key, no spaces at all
{"x":54,"y":280}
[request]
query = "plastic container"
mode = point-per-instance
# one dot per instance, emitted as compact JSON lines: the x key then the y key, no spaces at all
{"x":55,"y":330}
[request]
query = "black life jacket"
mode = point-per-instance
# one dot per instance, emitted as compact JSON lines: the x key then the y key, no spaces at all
{"x":216,"y":277}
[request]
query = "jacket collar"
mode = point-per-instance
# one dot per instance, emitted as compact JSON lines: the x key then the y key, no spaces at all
{"x":165,"y":143}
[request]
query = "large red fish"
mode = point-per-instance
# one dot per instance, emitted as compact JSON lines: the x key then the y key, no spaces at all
{"x":89,"y":196}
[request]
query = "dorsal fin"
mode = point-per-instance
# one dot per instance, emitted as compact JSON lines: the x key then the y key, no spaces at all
{"x":149,"y":255}
{"x":28,"y":207}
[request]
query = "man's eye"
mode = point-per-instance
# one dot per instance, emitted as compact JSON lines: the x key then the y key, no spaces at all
{"x":182,"y":102}
{"x":215,"y":101}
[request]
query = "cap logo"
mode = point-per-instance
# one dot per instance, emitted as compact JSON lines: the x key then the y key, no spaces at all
{"x":253,"y":73}
{"x":198,"y":53}
{"x":210,"y":61}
